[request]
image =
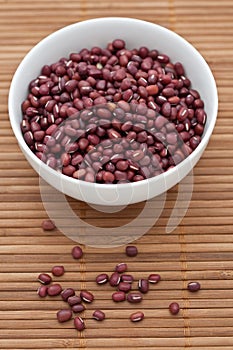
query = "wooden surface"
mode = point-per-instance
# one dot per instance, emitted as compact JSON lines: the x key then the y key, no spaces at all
{"x":199,"y":249}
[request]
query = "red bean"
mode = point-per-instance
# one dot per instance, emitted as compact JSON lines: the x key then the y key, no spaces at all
{"x":78,"y":308}
{"x":114,"y":279}
{"x":42,"y":291}
{"x":64,"y":315}
{"x":118,"y":296}
{"x":174,"y":308}
{"x":66,"y":293}
{"x":86,"y":296}
{"x":154,"y":278}
{"x":77,"y":252}
{"x":194,"y":286}
{"x":44,"y":278}
{"x":137,"y":316}
{"x":131,"y":251}
{"x":79,"y":323}
{"x":121,"y":267}
{"x":143,"y":285}
{"x":127,"y":89}
{"x":98,"y":315}
{"x":102,"y":278}
{"x":54,"y":289}
{"x":134,"y":297}
{"x":58,"y":270}
{"x":74,"y":299}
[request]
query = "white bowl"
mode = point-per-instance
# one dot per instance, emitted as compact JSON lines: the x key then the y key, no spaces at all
{"x":98,"y":32}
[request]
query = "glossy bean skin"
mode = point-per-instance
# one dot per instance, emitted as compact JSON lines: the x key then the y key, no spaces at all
{"x":118,"y":94}
{"x":137,"y":316}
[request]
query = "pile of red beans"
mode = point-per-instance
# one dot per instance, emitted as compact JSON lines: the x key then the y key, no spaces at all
{"x":113,"y":115}
{"x":119,"y":279}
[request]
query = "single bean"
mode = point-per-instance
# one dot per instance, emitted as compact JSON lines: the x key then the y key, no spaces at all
{"x":134,"y":297}
{"x":79,"y":323}
{"x":58,"y":270}
{"x":42,"y":291}
{"x":48,"y":225}
{"x":66,"y":293}
{"x":127,"y":278}
{"x":114,"y":279}
{"x":124,"y":287}
{"x":77,"y":252}
{"x":64,"y":315}
{"x":131,"y":251}
{"x":174,"y":308}
{"x":102,"y":278}
{"x":44,"y":278}
{"x":143,"y":285}
{"x":78,"y":308}
{"x":86,"y":296}
{"x":54,"y":289}
{"x":154,"y":278}
{"x":137,"y":316}
{"x":74,"y":299}
{"x":98,"y":315}
{"x":194,"y":286}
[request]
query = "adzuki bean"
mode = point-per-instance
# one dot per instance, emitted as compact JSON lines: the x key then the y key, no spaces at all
{"x":112,"y":94}
{"x":98,"y":315}
{"x":54,"y":289}
{"x":77,"y":252}
{"x":79,"y":323}
{"x":58,"y":270}
{"x":174,"y":308}
{"x":131,"y":251}
{"x":137,"y":316}
{"x":48,"y":225}
{"x":44,"y":278}
{"x":194,"y":286}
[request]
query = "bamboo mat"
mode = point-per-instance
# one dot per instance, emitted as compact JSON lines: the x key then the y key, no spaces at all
{"x":200,"y":248}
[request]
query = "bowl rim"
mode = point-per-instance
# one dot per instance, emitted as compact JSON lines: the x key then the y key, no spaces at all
{"x":62,"y":177}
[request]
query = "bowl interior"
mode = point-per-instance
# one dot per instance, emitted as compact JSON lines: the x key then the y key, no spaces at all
{"x":98,"y":32}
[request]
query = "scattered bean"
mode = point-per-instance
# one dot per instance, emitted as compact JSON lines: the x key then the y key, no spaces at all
{"x":137,"y":316}
{"x":86,"y":296}
{"x":42,"y":291}
{"x":112,"y":94}
{"x":143,"y":285}
{"x":78,"y":308}
{"x":48,"y":225}
{"x":194,"y":286}
{"x":74,"y":299}
{"x":77,"y":252}
{"x":79,"y":323}
{"x":174,"y":308}
{"x":58,"y":270}
{"x":102,"y":278}
{"x":54,"y":289}
{"x":121,"y":267}
{"x":44,"y":278}
{"x":154,"y":278}
{"x":134,"y":297}
{"x":114,"y":279}
{"x":64,"y":315}
{"x":66,"y":293}
{"x":131,"y":250}
{"x":98,"y":315}
{"x":118,"y":296}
